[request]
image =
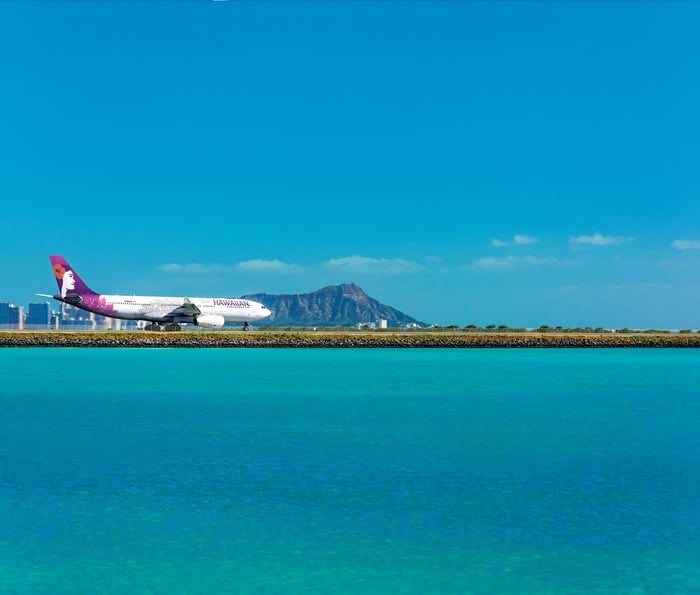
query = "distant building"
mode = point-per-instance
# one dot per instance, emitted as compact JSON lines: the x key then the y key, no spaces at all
{"x":5,"y":312}
{"x":372,"y":325}
{"x":71,"y":313}
{"x":39,"y":314}
{"x":17,"y":316}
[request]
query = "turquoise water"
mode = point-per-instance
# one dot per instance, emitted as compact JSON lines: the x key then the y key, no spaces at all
{"x":349,"y":471}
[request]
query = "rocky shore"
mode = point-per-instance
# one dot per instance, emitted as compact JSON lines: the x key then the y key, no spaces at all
{"x":342,"y":340}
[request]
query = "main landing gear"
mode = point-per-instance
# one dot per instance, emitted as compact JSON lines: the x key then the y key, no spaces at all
{"x":154,"y":326}
{"x":246,"y":326}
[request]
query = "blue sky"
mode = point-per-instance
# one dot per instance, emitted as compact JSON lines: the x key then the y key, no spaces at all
{"x":518,"y":163}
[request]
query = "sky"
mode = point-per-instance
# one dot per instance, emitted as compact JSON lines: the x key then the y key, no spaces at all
{"x":518,"y":163}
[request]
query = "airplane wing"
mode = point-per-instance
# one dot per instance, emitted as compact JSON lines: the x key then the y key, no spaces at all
{"x":187,"y":310}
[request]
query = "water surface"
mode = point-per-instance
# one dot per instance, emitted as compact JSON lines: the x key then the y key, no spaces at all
{"x":349,"y":471}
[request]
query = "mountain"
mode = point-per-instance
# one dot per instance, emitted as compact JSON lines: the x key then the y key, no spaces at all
{"x":335,"y":305}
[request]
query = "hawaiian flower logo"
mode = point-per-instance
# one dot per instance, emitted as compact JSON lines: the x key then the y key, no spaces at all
{"x":97,"y":303}
{"x":59,"y":271}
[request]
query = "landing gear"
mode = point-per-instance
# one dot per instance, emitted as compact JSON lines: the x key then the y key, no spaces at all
{"x":246,"y":326}
{"x":170,"y":327}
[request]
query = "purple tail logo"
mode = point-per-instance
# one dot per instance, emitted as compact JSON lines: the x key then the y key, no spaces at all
{"x":68,"y":280}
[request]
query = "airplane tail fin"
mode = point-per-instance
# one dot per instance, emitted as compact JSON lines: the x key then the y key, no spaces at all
{"x":69,"y":282}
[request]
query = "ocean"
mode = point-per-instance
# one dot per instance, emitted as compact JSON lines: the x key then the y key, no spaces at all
{"x":350,"y":471}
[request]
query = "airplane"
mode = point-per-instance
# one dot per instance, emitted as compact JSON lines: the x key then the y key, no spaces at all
{"x":163,"y":313}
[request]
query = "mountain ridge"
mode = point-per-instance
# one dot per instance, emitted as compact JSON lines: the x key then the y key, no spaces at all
{"x":334,"y":305}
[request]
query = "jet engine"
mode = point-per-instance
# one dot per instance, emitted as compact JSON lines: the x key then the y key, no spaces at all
{"x":210,"y":321}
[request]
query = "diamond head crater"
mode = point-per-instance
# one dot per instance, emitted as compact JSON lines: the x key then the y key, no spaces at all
{"x":335,"y":305}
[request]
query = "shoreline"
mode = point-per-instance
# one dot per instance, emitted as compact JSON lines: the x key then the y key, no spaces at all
{"x":339,"y":339}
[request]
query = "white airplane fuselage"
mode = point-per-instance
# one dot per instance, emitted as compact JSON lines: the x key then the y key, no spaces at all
{"x":205,"y":312}
{"x":164,"y":308}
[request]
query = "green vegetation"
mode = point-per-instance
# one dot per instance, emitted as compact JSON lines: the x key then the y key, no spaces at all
{"x":436,"y":337}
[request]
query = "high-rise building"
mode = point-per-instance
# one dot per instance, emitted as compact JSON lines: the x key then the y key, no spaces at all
{"x":17,"y":316}
{"x":4,"y":312}
{"x":39,"y":313}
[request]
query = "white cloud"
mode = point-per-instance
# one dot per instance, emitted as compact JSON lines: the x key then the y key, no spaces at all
{"x":686,"y":244}
{"x":273,"y":266}
{"x":518,"y":240}
{"x":258,"y":265}
{"x":512,"y":263}
{"x":599,"y":240}
{"x":191,"y":269}
{"x":364,"y":264}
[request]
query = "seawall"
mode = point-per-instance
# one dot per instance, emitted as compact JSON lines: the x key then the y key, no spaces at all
{"x":315,"y":339}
